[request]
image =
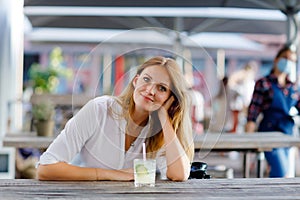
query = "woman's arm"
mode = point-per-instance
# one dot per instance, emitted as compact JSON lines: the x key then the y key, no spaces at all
{"x":64,"y":171}
{"x":53,"y":164}
{"x":261,"y":99}
{"x":178,"y":163}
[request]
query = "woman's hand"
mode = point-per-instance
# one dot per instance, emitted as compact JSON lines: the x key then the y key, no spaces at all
{"x":250,"y":126}
{"x":163,"y":111}
{"x":115,"y":175}
{"x":123,"y":175}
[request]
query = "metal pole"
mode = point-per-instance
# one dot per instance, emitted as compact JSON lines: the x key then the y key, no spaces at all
{"x":11,"y":62}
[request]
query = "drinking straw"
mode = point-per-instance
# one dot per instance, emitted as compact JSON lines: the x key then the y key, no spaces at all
{"x":144,"y":151}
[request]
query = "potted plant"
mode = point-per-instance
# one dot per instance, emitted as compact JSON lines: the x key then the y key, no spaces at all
{"x":43,"y":118}
{"x":46,"y":79}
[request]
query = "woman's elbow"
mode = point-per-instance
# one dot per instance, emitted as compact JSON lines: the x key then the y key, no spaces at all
{"x":42,"y":173}
{"x":179,"y":176}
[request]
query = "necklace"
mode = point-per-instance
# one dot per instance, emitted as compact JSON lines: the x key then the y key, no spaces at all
{"x":130,"y":140}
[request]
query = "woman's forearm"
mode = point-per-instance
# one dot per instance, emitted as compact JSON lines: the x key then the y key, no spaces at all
{"x":64,"y":171}
{"x":178,"y":163}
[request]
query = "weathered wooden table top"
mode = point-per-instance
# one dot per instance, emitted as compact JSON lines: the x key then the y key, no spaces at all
{"x":254,"y":188}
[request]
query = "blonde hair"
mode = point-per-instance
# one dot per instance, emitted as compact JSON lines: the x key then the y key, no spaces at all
{"x":179,"y":114}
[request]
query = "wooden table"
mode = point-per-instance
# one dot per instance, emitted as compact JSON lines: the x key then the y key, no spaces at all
{"x":205,"y":142}
{"x":26,"y":139}
{"x":257,"y":142}
{"x":227,"y":189}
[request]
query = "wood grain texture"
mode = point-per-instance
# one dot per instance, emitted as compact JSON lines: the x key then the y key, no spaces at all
{"x":264,"y":188}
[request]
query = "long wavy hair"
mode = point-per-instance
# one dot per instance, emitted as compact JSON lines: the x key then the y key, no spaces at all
{"x":178,"y":112}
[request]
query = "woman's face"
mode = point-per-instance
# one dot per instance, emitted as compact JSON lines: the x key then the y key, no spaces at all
{"x":151,"y":88}
{"x":286,"y":62}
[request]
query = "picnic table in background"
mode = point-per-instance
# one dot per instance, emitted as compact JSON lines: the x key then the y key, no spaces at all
{"x":256,"y":142}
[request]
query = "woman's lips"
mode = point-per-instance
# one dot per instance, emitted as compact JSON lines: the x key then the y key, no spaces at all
{"x":147,"y":98}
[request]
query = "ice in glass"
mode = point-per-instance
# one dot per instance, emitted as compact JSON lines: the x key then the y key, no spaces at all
{"x":144,"y":172}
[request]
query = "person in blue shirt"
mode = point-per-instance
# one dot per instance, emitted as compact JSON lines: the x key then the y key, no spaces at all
{"x":275,"y":96}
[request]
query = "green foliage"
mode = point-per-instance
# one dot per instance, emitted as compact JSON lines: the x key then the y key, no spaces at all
{"x":43,"y":111}
{"x":46,"y":79}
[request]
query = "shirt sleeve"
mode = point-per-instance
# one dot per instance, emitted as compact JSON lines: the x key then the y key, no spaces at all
{"x":261,"y":99}
{"x":73,"y":137}
{"x":297,"y":96}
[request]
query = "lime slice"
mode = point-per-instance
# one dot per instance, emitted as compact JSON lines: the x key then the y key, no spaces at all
{"x":141,"y":170}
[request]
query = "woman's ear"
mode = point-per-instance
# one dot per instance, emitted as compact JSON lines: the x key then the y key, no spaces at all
{"x":135,"y":80}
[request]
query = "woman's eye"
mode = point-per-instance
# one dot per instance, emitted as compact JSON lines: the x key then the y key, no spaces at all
{"x":162,"y":88}
{"x":146,"y":79}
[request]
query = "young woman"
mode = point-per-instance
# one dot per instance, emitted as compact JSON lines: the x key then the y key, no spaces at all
{"x":274,"y":96}
{"x":107,"y":134}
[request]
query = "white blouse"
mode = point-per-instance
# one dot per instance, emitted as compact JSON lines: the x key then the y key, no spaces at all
{"x":95,"y":137}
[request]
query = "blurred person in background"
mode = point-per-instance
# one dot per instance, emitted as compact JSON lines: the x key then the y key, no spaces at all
{"x":197,"y":110}
{"x":276,"y":98}
{"x":240,"y":89}
{"x":221,"y":113}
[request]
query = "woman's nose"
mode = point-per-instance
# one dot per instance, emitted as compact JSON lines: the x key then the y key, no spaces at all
{"x":151,"y":88}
